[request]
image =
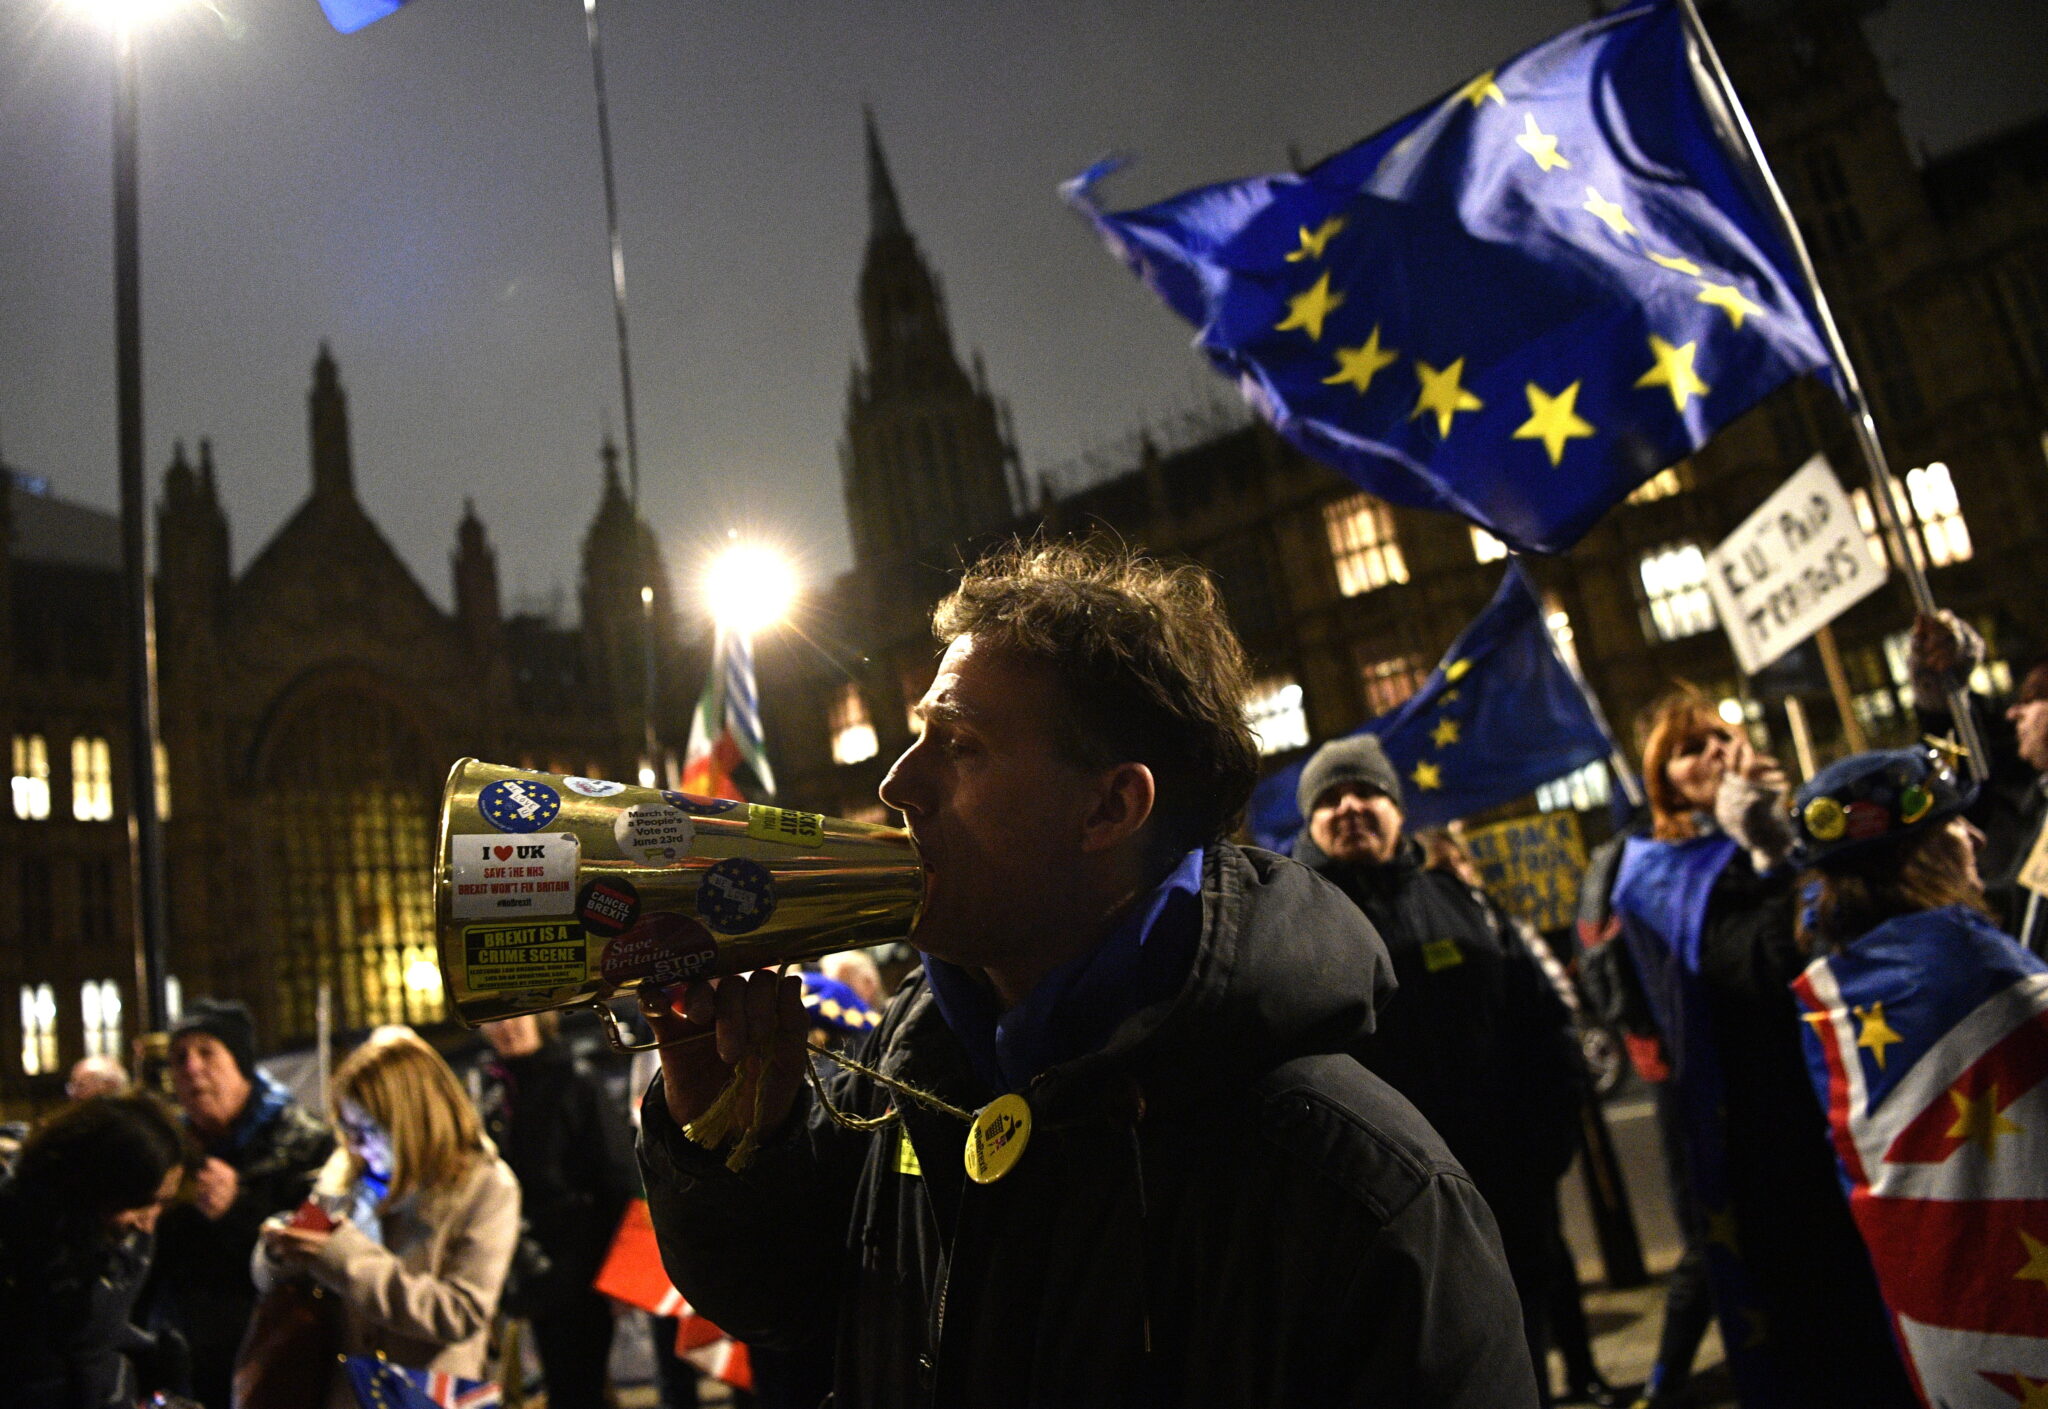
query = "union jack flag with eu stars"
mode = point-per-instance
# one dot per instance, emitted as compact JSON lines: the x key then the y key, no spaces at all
{"x":1516,"y":304}
{"x":381,"y":1385}
{"x":1927,"y":1041}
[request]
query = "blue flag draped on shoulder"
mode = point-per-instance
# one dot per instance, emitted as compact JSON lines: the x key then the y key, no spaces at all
{"x":1500,"y":716}
{"x":1515,"y":304}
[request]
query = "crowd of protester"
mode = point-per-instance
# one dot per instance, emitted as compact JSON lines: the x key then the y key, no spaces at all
{"x":231,"y":1247}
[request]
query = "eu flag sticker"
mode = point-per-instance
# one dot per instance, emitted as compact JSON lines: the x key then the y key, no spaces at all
{"x":518,"y":804}
{"x":736,"y":895}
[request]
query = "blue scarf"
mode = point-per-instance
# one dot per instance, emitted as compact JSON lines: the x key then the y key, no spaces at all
{"x":1074,"y":1009}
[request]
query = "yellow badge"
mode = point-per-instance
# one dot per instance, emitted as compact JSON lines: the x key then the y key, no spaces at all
{"x":1825,"y":819}
{"x":1441,"y":954}
{"x":906,"y":1155}
{"x":998,"y":1138}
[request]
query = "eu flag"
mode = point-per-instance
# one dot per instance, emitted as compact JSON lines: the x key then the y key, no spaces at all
{"x":1515,"y":304}
{"x":1500,"y":716}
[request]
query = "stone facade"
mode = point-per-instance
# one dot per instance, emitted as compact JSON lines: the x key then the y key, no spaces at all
{"x":310,"y":708}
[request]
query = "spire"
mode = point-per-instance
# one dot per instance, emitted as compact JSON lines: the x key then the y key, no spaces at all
{"x":885,"y":214}
{"x":327,"y":414}
{"x":475,"y":569}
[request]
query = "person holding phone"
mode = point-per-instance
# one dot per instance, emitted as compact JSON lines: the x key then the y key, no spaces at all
{"x":421,"y":1213}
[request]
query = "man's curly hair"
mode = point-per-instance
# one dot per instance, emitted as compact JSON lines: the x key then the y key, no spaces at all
{"x":1150,"y":668}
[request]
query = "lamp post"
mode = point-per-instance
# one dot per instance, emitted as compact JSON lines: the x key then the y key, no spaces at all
{"x":145,"y":824}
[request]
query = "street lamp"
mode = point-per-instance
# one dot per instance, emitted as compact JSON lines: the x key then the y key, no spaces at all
{"x":749,"y":587}
{"x":145,"y":823}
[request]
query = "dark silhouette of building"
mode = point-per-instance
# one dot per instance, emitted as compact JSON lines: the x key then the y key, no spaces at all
{"x":311,"y":706}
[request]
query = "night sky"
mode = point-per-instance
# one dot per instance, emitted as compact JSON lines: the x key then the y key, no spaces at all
{"x":425,"y":196}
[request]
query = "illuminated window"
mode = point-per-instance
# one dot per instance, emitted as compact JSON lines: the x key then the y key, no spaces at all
{"x":1581,"y":790}
{"x":1929,"y":512}
{"x":1485,"y":547}
{"x":853,"y":736}
{"x":1276,"y":715}
{"x":92,"y":779}
{"x":1661,"y":485}
{"x":31,"y":777}
{"x":1561,"y":634}
{"x":100,"y":1004}
{"x":174,"y":998}
{"x":1362,"y":544}
{"x":349,"y":781}
{"x":163,"y":783}
{"x":38,"y":1029}
{"x":1933,"y":496}
{"x":1675,"y":592}
{"x":1388,"y":683}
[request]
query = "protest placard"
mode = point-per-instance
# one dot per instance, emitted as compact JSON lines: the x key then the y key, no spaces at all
{"x":1531,"y":866}
{"x":1793,"y":566}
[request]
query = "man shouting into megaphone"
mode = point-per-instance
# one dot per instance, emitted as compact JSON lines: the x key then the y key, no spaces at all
{"x":1130,"y":1161}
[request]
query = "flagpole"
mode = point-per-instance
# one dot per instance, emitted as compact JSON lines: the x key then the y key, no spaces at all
{"x":618,"y":249}
{"x":1860,"y":418}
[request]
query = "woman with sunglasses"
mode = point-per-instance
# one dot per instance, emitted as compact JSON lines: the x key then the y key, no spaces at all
{"x":1707,"y":908}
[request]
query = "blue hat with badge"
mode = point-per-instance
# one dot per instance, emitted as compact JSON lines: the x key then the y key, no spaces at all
{"x":1867,"y":803}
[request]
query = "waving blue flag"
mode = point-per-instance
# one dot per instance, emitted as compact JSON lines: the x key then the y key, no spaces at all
{"x":1500,"y":716}
{"x":1515,"y":304}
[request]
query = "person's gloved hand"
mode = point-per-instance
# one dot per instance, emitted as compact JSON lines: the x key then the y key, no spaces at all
{"x":1944,"y":650}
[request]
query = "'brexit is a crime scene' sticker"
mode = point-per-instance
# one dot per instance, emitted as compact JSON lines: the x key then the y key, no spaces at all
{"x":494,"y":876}
{"x":538,"y":954}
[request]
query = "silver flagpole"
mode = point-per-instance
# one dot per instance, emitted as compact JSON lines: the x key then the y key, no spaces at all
{"x":1860,"y":419}
{"x":649,"y":743}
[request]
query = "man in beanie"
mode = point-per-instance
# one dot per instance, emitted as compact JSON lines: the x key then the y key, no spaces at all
{"x":1473,"y":1034}
{"x":259,"y":1150}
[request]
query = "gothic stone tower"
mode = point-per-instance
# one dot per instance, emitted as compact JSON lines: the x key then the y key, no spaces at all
{"x":927,"y":461}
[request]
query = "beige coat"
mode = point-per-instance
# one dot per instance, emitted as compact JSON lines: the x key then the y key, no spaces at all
{"x":425,"y":1296}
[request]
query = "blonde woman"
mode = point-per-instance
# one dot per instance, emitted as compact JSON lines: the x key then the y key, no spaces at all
{"x":425,"y":1216}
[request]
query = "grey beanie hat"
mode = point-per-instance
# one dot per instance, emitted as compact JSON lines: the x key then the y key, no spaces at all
{"x":1356,"y":758}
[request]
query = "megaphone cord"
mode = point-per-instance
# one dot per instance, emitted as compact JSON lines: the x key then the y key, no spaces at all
{"x":868,"y":1123}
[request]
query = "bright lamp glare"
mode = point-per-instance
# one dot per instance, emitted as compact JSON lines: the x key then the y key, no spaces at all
{"x":423,"y":976}
{"x":749,"y":588}
{"x":126,"y":14}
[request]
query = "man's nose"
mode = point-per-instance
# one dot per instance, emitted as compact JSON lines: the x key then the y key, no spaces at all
{"x":898,"y":784}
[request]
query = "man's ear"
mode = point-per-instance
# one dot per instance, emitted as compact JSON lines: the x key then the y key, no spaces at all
{"x":1123,"y":804}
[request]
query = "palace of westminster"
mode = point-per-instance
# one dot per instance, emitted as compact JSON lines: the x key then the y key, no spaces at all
{"x":304,"y":745}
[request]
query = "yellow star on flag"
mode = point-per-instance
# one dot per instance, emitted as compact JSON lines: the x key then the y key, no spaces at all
{"x":1480,"y":89}
{"x":2033,"y":1393}
{"x":1729,"y":299}
{"x":2036,"y":1269}
{"x":1357,"y":366}
{"x":1540,"y":144}
{"x":1442,"y":394}
{"x":1456,"y":671}
{"x":1979,"y":1120}
{"x":1450,"y":696}
{"x":1876,"y":1033}
{"x":1609,"y":211}
{"x":1553,"y":420}
{"x":1672,"y":261}
{"x":1308,"y":310}
{"x":1673,"y":369}
{"x":1445,"y":733}
{"x":1312,"y":242}
{"x":1427,"y":776}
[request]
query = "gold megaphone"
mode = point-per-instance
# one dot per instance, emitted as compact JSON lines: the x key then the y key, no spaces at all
{"x":554,"y":891}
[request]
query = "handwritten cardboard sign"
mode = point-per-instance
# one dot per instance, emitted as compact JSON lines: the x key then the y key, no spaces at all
{"x":1793,"y":566}
{"x":1531,"y":866}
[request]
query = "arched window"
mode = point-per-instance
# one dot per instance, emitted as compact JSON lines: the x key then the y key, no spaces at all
{"x":349,"y":789}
